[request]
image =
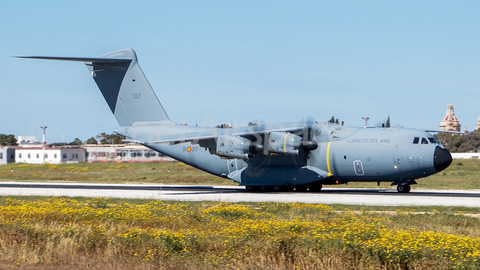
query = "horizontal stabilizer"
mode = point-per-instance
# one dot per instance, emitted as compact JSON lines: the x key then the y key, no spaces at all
{"x":81,"y":59}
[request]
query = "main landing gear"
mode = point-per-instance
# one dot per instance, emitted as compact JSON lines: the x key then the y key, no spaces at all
{"x":403,"y":188}
{"x":282,"y":188}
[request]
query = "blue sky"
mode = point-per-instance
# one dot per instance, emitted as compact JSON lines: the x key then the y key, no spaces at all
{"x":236,"y":61}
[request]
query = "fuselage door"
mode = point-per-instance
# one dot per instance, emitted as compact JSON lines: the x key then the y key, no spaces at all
{"x":358,"y":166}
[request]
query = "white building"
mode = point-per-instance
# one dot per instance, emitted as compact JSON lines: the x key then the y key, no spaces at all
{"x":466,"y":155}
{"x":28,"y":141}
{"x":53,"y":155}
{"x":7,"y":155}
{"x":123,"y":153}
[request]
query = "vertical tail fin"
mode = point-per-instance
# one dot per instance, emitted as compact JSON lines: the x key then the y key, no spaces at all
{"x":123,"y":85}
{"x":126,"y":89}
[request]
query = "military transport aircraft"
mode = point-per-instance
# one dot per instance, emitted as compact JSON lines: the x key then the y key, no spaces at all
{"x":283,"y":156}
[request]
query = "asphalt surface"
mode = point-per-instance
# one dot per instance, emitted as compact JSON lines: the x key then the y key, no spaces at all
{"x":381,"y":197}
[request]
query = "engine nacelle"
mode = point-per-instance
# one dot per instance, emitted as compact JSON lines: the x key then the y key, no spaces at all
{"x":232,"y":147}
{"x":284,"y":143}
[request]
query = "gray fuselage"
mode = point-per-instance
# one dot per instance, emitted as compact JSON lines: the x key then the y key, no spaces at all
{"x":344,"y":153}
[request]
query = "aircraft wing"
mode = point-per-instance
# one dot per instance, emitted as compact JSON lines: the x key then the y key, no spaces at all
{"x":175,"y":134}
{"x":443,"y":131}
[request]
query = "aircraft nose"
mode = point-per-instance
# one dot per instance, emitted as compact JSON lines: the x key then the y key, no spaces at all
{"x":441,"y":158}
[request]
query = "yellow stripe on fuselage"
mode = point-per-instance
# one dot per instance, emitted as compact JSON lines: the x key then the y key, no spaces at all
{"x":285,"y":144}
{"x":328,"y":159}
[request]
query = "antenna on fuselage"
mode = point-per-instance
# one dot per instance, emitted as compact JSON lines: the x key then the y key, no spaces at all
{"x":366,"y":120}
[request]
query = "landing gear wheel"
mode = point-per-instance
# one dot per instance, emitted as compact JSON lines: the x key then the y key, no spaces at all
{"x":316,"y":188}
{"x":251,"y":188}
{"x":264,"y":188}
{"x":277,"y":188}
{"x":301,"y":189}
{"x":403,"y":188}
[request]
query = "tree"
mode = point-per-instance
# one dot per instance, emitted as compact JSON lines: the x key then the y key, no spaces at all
{"x":91,"y":141}
{"x":8,"y":140}
{"x":387,"y":125}
{"x":76,"y":142}
{"x":457,"y":143}
{"x":110,"y":138}
{"x":57,"y":144}
{"x":332,"y":120}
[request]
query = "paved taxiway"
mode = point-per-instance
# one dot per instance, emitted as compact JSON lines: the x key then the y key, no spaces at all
{"x":381,"y":197}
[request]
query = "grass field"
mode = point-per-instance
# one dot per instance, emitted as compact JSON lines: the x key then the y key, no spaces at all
{"x":60,"y":233}
{"x":462,"y":174}
{"x":151,"y":172}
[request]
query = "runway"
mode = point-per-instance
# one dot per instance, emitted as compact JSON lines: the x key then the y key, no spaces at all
{"x":379,"y":197}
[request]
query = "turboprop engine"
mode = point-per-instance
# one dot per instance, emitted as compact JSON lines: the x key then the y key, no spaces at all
{"x":277,"y":143}
{"x":284,"y":143}
{"x":233,"y":147}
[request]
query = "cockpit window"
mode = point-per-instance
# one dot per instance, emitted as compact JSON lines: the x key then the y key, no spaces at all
{"x":416,"y":140}
{"x":433,"y":140}
{"x":424,"y":141}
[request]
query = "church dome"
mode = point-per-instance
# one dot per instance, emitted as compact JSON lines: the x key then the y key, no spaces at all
{"x":450,"y":121}
{"x":478,"y":123}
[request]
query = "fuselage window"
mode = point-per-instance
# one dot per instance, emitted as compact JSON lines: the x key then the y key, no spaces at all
{"x":416,"y":140}
{"x":424,"y":141}
{"x":433,"y":140}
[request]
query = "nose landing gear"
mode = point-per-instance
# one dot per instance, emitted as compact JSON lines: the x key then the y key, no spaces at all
{"x":403,"y":186}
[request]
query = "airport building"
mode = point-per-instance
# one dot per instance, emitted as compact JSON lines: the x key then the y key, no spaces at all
{"x":7,"y":155}
{"x":28,"y":141}
{"x":123,"y":153}
{"x":471,"y":155}
{"x":53,"y":155}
